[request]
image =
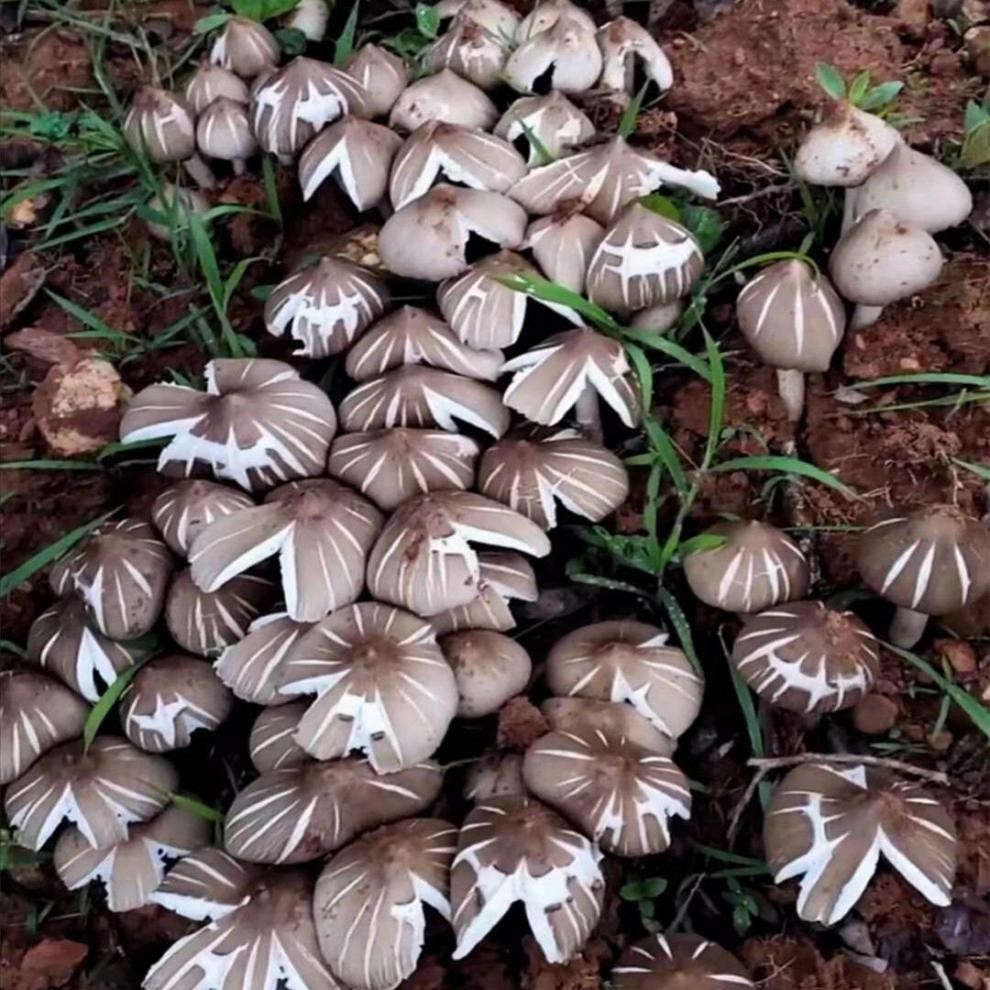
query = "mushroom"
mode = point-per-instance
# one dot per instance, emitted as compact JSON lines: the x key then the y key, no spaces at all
{"x":392,"y":465}
{"x":563,"y":245}
{"x":516,"y":849}
{"x":659,"y":318}
{"x":669,"y":962}
{"x":929,"y":561}
{"x":36,"y":713}
{"x":430,"y":237}
{"x":807,"y":658}
{"x":272,"y":744}
{"x":496,"y":774}
{"x":564,"y":56}
{"x":542,"y":126}
{"x":310,"y":17}
{"x":101,"y":789}
{"x":246,"y":47}
{"x":410,"y":335}
{"x":370,"y":896}
{"x":257,"y":424}
{"x":209,"y":83}
{"x":437,"y":150}
{"x":324,"y":307}
{"x":489,"y":668}
{"x":794,"y":320}
{"x":132,"y":869}
{"x":499,"y":18}
{"x":626,"y":46}
{"x":531,"y":474}
{"x":66,"y":642}
{"x":881,"y":260}
{"x":186,"y":508}
{"x":304,"y":812}
{"x":546,"y":13}
{"x":174,"y":205}
{"x":470,"y":50}
{"x":829,"y":825}
{"x":120,"y":572}
{"x":321,"y":531}
{"x":382,"y":74}
{"x":224,"y":132}
{"x":629,"y":662}
{"x":756,"y":566}
{"x":444,"y":97}
{"x":583,"y":715}
{"x":424,"y":560}
{"x":617,"y":792}
{"x":418,"y":396}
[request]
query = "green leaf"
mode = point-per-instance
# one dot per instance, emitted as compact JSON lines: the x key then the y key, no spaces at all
{"x":251,"y":9}
{"x":662,"y":205}
{"x":627,"y":125}
{"x":292,"y":42}
{"x":120,"y":447}
{"x":644,"y":373}
{"x":975,"y":115}
{"x":543,"y":153}
{"x":980,"y":470}
{"x":345,"y":43}
{"x":271,"y":189}
{"x":929,"y":378}
{"x":682,"y":627}
{"x":663,"y":447}
{"x":647,"y":909}
{"x":880,"y":96}
{"x":541,"y":288}
{"x":716,"y":408}
{"x":51,"y":464}
{"x":705,"y":223}
{"x":741,"y":919}
{"x":859,"y":86}
{"x":271,"y":9}
{"x":786,"y":465}
{"x":210,"y":23}
{"x":723,"y":855}
{"x":703,"y":541}
{"x":104,"y":706}
{"x":830,"y":80}
{"x":976,"y":146}
{"x":656,"y":342}
{"x":197,"y":808}
{"x":427,"y":20}
{"x":643,"y":890}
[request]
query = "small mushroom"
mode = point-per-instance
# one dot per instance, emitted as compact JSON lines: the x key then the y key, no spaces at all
{"x":133,"y":869}
{"x":930,"y":561}
{"x":302,"y":813}
{"x":272,"y":744}
{"x":430,"y":237}
{"x":794,"y":320}
{"x":174,"y":205}
{"x":659,"y":318}
{"x":496,"y":774}
{"x":583,"y":715}
{"x":246,"y":47}
{"x":669,"y":962}
{"x":627,"y":46}
{"x":382,"y":74}
{"x":326,"y":306}
{"x":542,"y":126}
{"x":424,"y":559}
{"x":444,"y":97}
{"x":564,"y":56}
{"x":757,"y":566}
{"x":807,"y":658}
{"x":224,"y":132}
{"x":184,"y":509}
{"x":102,"y":790}
{"x":211,"y":82}
{"x":257,"y":424}
{"x":310,"y":17}
{"x":321,"y":531}
{"x":546,"y":13}
{"x":493,"y":15}
{"x":516,"y":849}
{"x":470,"y":50}
{"x":829,"y":825}
{"x":563,"y":245}
{"x":489,"y":669}
{"x":120,"y":572}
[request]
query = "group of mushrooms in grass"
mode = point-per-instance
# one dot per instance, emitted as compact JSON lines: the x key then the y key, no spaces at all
{"x":402,"y":542}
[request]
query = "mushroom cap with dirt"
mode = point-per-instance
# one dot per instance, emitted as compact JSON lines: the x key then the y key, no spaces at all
{"x":829,"y":825}
{"x":246,"y":47}
{"x":493,"y":15}
{"x":755,"y":566}
{"x":546,"y":13}
{"x":928,"y":561}
{"x":563,"y":245}
{"x":470,"y":50}
{"x":160,"y":125}
{"x":272,"y":744}
{"x":257,"y":424}
{"x":489,"y":668}
{"x":381,"y":73}
{"x":625,"y":45}
{"x":581,"y":715}
{"x":185,"y":509}
{"x":325,"y":306}
{"x":223,"y":131}
{"x":676,"y":962}
{"x":549,"y":125}
{"x":369,"y":901}
{"x":807,"y":658}
{"x":515,"y":849}
{"x":564,"y":56}
{"x":211,"y":82}
{"x":445,"y":97}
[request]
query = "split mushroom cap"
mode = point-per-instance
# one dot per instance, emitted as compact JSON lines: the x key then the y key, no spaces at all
{"x":643,"y":259}
{"x":485,"y":313}
{"x":756,"y":566}
{"x":298,"y":100}
{"x":208,"y":883}
{"x":326,"y":306}
{"x":120,"y":572}
{"x":546,"y":13}
{"x":381,"y":73}
{"x":445,"y":97}
{"x":845,"y":147}
{"x":417,"y":396}
{"x":65,"y":642}
{"x":258,"y":424}
{"x":557,"y":124}
{"x":496,"y":774}
{"x":807,"y":658}
{"x":102,"y":791}
{"x":563,"y":245}
{"x":272,"y":744}
{"x":211,"y":82}
{"x":207,"y":622}
{"x":424,"y":559}
{"x":604,"y":179}
{"x":470,"y":50}
{"x":170,"y":698}
{"x":133,"y":869}
{"x":456,"y":154}
{"x":618,"y":793}
{"x":223,"y":131}
{"x":369,"y":900}
{"x":382,"y":687}
{"x":411,"y":335}
{"x":36,"y":713}
{"x":675,"y":962}
{"x":628,"y":662}
{"x":304,"y":812}
{"x":532,"y":474}
{"x":358,"y":153}
{"x":392,"y":465}
{"x":551,"y":378}
{"x":582,"y":715}
{"x":829,"y":825}
{"x":246,"y":47}
{"x":516,"y":849}
{"x":564,"y":56}
{"x":625,"y":44}
{"x":186,"y":508}
{"x":321,"y":531}
{"x":428,"y":238}
{"x":489,"y":668}
{"x":499,"y":18}
{"x":160,"y":125}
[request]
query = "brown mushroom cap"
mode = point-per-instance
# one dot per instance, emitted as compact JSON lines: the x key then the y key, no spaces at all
{"x":213,"y":82}
{"x":382,"y":74}
{"x":208,"y":884}
{"x":489,"y":668}
{"x":496,"y":774}
{"x":557,"y":124}
{"x":470,"y":50}
{"x":581,"y":715}
{"x":272,"y":743}
{"x":245,"y":46}
{"x":444,"y":97}
{"x":493,"y":15}
{"x":223,"y":131}
{"x":184,"y":509}
{"x":371,"y":895}
{"x":807,"y":658}
{"x":829,"y":826}
{"x":160,"y":125}
{"x":756,"y":567}
{"x":678,"y":962}
{"x":563,"y":245}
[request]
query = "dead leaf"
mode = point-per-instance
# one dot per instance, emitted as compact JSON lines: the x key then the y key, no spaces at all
{"x":18,"y":286}
{"x":44,"y":345}
{"x":49,"y":964}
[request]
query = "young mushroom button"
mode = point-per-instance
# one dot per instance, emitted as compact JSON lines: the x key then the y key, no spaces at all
{"x":272,"y":744}
{"x":246,"y":47}
{"x":545,"y":127}
{"x":678,"y":962}
{"x":184,"y":509}
{"x":381,"y":73}
{"x":546,"y":13}
{"x":470,"y":50}
{"x":626,"y":45}
{"x":493,"y":15}
{"x":564,"y":56}
{"x":442,"y":97}
{"x":489,"y":668}
{"x":211,"y":82}
{"x":563,"y":245}
{"x":223,"y":131}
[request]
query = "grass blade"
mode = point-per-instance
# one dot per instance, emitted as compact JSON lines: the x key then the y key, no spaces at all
{"x":198,"y":808}
{"x":682,"y":627}
{"x":104,"y":706}
{"x":786,"y":465}
{"x":929,"y":378}
{"x":51,"y":464}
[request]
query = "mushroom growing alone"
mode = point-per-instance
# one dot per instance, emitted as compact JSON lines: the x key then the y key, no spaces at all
{"x":545,"y":127}
{"x":470,"y":50}
{"x":223,"y":131}
{"x":444,"y":97}
{"x":678,"y":962}
{"x":184,"y":509}
{"x":794,"y":320}
{"x":930,"y":561}
{"x":829,"y":825}
{"x":626,"y":45}
{"x":246,"y":47}
{"x":563,"y":245}
{"x":564,"y":56}
{"x":272,"y":744}
{"x":489,"y":668}
{"x":381,"y":73}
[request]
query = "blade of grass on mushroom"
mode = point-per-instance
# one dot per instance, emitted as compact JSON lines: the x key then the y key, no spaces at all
{"x":786,"y":465}
{"x":344,"y":45}
{"x":198,"y":808}
{"x":107,"y":700}
{"x":716,"y":408}
{"x":119,"y":447}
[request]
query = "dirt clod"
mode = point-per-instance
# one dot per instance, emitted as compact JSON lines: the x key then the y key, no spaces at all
{"x":49,"y":964}
{"x":875,"y":715}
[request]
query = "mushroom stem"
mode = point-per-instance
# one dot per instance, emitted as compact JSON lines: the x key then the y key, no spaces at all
{"x":200,"y":172}
{"x":848,"y":209}
{"x":589,"y":417}
{"x":239,"y":166}
{"x":790,"y":385}
{"x":907,"y":628}
{"x":863,"y":316}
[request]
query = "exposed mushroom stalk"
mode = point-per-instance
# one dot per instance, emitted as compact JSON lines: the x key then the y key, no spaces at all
{"x":201,"y":173}
{"x":907,"y":627}
{"x":588,"y":415}
{"x":790,"y":384}
{"x":863,"y":316}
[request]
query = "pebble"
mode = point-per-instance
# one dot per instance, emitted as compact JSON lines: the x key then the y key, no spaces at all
{"x":961,"y":656}
{"x":875,"y":715}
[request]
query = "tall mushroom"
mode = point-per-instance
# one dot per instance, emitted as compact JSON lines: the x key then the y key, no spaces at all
{"x":223,"y":131}
{"x":445,"y":97}
{"x":545,"y":127}
{"x":672,"y":962}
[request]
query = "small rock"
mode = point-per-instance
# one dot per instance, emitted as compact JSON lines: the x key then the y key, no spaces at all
{"x":49,"y":964}
{"x":961,"y":656}
{"x":875,"y":715}
{"x":941,"y":741}
{"x":968,"y":975}
{"x":18,"y":286}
